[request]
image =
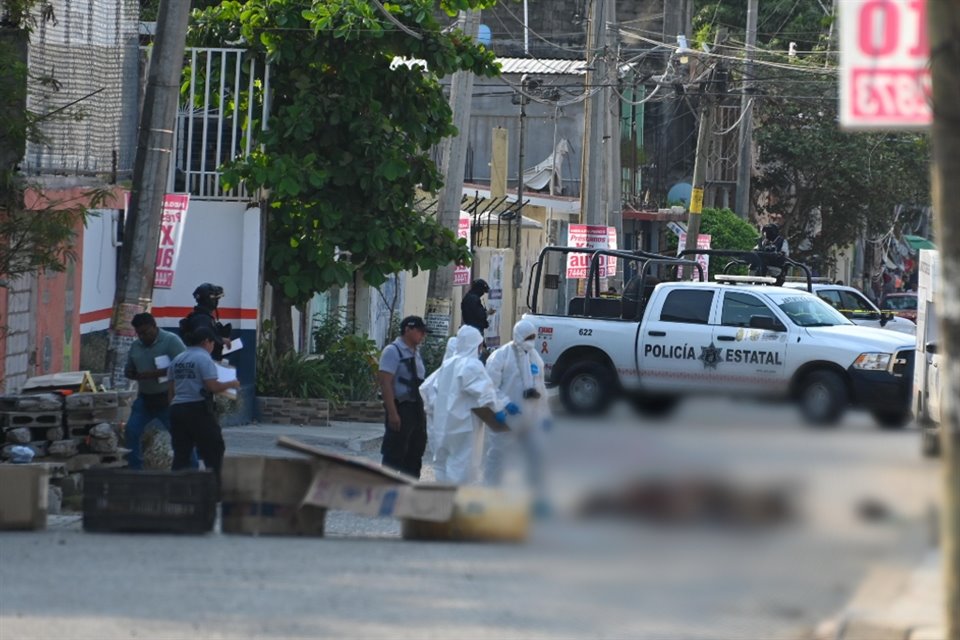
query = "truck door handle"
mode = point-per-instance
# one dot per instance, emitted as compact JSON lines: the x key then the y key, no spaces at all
{"x":657,"y":334}
{"x":726,"y":338}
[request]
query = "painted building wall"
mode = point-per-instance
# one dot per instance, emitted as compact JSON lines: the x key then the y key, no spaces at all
{"x":221,"y":245}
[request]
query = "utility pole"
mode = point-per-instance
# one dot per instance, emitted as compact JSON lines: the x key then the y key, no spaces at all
{"x":593,"y":170}
{"x":699,"y":172}
{"x":440,"y":289}
{"x":745,"y":166}
{"x":155,"y":143}
{"x":518,"y":244}
{"x":942,"y":18}
{"x":704,"y":138}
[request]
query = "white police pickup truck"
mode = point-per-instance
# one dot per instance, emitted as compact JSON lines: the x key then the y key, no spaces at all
{"x":729,"y":336}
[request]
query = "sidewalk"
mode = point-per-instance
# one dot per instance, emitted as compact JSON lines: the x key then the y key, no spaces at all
{"x":894,"y":604}
{"x":261,"y":439}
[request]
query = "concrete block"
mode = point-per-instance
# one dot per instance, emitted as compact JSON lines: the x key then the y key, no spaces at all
{"x":44,"y":419}
{"x":64,"y":448}
{"x":90,"y":401}
{"x":17,"y":435}
{"x":39,"y":402}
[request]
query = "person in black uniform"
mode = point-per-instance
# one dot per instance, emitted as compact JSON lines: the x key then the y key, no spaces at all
{"x":204,"y":314}
{"x":472,"y":309}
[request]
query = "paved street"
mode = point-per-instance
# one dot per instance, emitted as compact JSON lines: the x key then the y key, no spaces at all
{"x":863,"y":497}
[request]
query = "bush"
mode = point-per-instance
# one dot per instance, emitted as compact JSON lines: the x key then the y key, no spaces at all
{"x":352,"y":359}
{"x":291,"y":374}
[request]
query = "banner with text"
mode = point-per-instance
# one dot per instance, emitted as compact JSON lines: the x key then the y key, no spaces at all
{"x":173,"y":220}
{"x":884,"y":65}
{"x":461,"y":274}
{"x":703,"y":242}
{"x":590,"y":237}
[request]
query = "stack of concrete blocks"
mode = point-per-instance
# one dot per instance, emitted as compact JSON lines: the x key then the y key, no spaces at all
{"x":71,"y":433}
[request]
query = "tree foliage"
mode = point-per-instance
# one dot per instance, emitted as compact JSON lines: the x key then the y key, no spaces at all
{"x":349,"y":134}
{"x":826,"y":186}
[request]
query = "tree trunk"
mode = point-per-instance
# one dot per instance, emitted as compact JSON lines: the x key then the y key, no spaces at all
{"x":282,"y":313}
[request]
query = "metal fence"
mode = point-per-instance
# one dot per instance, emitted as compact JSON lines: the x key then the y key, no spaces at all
{"x":221,"y":109}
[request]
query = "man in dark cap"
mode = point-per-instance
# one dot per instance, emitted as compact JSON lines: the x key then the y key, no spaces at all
{"x":204,"y":314}
{"x":401,"y":372}
{"x":472,"y":309}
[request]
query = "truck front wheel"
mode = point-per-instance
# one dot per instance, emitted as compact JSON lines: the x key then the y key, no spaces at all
{"x":586,"y":388}
{"x":823,"y":397}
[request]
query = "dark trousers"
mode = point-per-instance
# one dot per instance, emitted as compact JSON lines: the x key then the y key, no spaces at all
{"x":193,"y":424}
{"x":403,"y":449}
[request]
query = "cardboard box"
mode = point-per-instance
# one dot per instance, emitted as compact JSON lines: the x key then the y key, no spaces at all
{"x":480,"y":514}
{"x":361,"y":486}
{"x":23,"y":496}
{"x":263,"y":496}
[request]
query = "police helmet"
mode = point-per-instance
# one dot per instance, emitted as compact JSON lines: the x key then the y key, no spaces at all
{"x":207,"y":294}
{"x":480,"y":286}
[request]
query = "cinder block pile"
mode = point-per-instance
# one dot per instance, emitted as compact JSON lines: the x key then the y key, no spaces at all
{"x":73,"y":432}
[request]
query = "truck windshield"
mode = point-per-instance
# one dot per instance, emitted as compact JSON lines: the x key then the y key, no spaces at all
{"x":808,"y":310}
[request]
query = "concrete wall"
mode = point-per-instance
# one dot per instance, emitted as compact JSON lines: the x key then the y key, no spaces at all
{"x":20,"y":352}
{"x":221,"y":244}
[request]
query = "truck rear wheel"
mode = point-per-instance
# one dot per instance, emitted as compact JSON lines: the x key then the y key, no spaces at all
{"x":823,"y":398}
{"x":586,"y":388}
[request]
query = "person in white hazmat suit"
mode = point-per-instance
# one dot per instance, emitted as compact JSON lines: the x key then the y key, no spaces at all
{"x":462,"y":384}
{"x":428,"y":391}
{"x":517,"y":370}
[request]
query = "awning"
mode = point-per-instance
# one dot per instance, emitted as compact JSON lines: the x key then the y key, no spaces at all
{"x":918,"y":242}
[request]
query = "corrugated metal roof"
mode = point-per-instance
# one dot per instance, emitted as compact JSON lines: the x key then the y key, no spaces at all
{"x":519,"y":66}
{"x":542,"y":66}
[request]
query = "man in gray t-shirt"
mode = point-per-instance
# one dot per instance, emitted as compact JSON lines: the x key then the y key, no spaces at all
{"x":193,"y":381}
{"x":400,"y":375}
{"x":151,"y":402}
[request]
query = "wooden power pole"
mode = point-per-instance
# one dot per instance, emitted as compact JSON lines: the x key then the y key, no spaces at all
{"x":943,"y":25}
{"x":155,"y":144}
{"x":440,"y":288}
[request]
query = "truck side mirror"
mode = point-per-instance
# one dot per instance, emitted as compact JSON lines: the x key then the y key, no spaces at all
{"x":885,"y":317}
{"x":931,"y":348}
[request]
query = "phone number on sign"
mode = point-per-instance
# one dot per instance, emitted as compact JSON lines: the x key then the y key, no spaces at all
{"x":892,"y":94}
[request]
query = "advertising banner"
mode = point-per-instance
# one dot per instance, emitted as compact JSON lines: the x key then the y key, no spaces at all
{"x":884,"y":72}
{"x":703,"y":242}
{"x":461,"y":274}
{"x":590,"y":237}
{"x":173,"y":219}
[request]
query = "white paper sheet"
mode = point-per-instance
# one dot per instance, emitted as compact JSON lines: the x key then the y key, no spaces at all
{"x":235,"y":345}
{"x":162,"y":362}
{"x":226,"y":373}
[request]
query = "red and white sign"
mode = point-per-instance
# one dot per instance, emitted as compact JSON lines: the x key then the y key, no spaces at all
{"x":590,"y":237}
{"x":703,"y":242}
{"x":461,"y":274}
{"x":173,"y":219}
{"x":884,"y":53}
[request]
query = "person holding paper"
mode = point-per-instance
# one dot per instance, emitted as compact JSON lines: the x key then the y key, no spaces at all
{"x":204,"y":315}
{"x":193,"y":423}
{"x":147,"y":362}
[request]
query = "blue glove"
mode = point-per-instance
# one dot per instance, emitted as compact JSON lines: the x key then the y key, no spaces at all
{"x":547,"y":424}
{"x":501,"y":417}
{"x":512,"y":409}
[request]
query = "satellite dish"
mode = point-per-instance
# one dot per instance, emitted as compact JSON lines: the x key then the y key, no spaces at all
{"x":483,"y":37}
{"x":680,"y":192}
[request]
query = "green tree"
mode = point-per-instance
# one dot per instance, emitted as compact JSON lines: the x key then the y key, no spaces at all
{"x":727,"y":230}
{"x":826,"y":186}
{"x":38,"y":238}
{"x":349,"y":135}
